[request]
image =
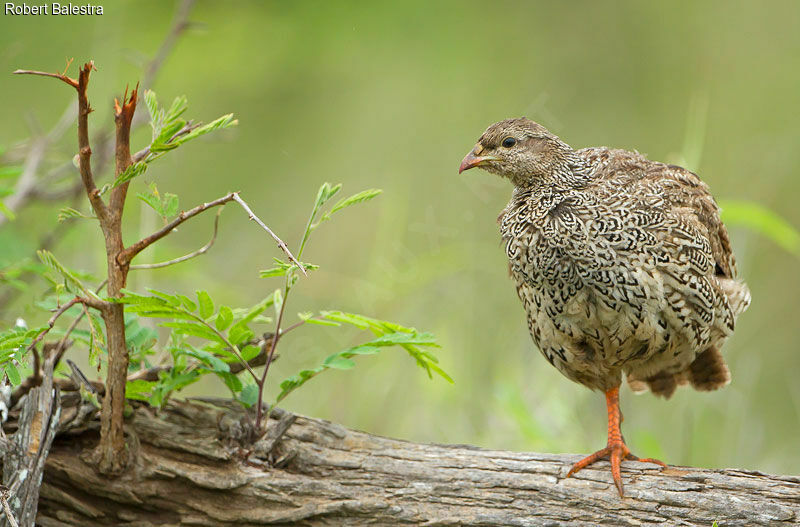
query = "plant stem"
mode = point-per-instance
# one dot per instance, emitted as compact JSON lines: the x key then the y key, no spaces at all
{"x":276,"y":337}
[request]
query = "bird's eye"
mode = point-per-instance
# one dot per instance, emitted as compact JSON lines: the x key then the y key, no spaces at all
{"x":508,"y":142}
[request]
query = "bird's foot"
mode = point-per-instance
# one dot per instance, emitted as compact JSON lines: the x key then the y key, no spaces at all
{"x":616,"y":450}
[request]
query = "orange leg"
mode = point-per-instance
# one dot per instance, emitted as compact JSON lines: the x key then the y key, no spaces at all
{"x":615,"y":449}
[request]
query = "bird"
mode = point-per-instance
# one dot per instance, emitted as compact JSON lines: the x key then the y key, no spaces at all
{"x":622,"y":264}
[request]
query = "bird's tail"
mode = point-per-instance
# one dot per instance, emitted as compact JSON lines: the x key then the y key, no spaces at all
{"x":707,"y":372}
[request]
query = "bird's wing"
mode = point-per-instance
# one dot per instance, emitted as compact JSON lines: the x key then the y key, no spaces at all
{"x":671,"y":188}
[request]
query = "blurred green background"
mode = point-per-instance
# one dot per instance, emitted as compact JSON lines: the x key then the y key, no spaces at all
{"x":392,"y":95}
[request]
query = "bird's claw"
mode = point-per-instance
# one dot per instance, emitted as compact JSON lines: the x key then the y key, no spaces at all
{"x":616,"y":451}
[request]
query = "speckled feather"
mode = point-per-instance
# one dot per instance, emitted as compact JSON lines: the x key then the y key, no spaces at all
{"x":622,"y":264}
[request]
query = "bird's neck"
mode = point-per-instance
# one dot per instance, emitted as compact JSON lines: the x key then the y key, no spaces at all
{"x":570,"y":173}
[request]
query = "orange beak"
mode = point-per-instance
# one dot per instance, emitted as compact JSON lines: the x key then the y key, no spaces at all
{"x":474,"y":159}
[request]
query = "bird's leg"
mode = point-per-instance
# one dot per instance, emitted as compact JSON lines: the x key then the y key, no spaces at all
{"x":615,"y":449}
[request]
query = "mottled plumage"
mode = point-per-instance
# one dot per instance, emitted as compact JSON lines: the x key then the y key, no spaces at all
{"x":621,"y":263}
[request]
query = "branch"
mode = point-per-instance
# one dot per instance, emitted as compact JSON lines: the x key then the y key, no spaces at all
{"x":98,"y":304}
{"x":202,"y":250}
{"x":280,"y":243}
{"x":84,"y":149}
{"x":123,"y":117}
{"x":124,"y":258}
{"x":321,"y":473}
{"x":60,"y":76}
{"x":52,"y":322}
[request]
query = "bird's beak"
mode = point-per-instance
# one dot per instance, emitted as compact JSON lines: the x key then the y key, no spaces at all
{"x":475,"y":159}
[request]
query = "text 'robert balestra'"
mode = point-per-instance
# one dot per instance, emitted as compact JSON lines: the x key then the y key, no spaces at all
{"x":52,"y":9}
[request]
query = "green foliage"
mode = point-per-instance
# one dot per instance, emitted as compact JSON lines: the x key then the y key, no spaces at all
{"x":762,"y":220}
{"x":223,"y":336}
{"x":170,"y":130}
{"x":203,"y":336}
{"x":388,"y":334}
{"x":206,"y":337}
{"x":70,"y":281}
{"x":67,"y":213}
{"x":283,"y":268}
{"x":135,"y":170}
{"x":165,"y":206}
{"x":13,"y":345}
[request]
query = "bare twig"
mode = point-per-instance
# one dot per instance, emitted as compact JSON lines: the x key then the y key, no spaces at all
{"x":84,"y":148}
{"x":60,"y":76}
{"x":52,"y":322}
{"x":280,"y":243}
{"x":125,"y":257}
{"x":202,"y":250}
{"x":300,"y":323}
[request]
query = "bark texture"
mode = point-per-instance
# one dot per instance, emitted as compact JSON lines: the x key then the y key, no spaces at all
{"x":188,"y":468}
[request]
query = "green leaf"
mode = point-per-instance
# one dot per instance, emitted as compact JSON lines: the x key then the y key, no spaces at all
{"x":95,"y":335}
{"x":274,"y":271}
{"x":205,"y":303}
{"x":169,"y":205}
{"x":179,"y":105}
{"x":364,"y":195}
{"x":763,"y":221}
{"x":8,"y":213}
{"x":172,"y":300}
{"x":187,"y":302}
{"x":139,"y":389}
{"x":321,"y":322}
{"x":339,"y":363}
{"x":249,"y":395}
{"x":162,"y":142}
{"x":277,"y":301}
{"x":152,"y":105}
{"x":70,"y":280}
{"x":249,"y":352}
{"x":224,"y":318}
{"x":343,"y":359}
{"x":135,"y":170}
{"x":348,"y":318}
{"x":154,"y":202}
{"x":231,"y":381}
{"x":10,"y":171}
{"x":284,"y":267}
{"x":216,"y":364}
{"x":68,"y":212}
{"x":13,"y":373}
{"x":193,"y":329}
{"x":225,"y":121}
{"x":240,"y":333}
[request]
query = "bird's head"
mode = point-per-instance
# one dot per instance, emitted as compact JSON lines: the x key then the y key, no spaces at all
{"x":520,"y":150}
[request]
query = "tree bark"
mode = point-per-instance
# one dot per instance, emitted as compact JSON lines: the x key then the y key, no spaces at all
{"x":190,"y":466}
